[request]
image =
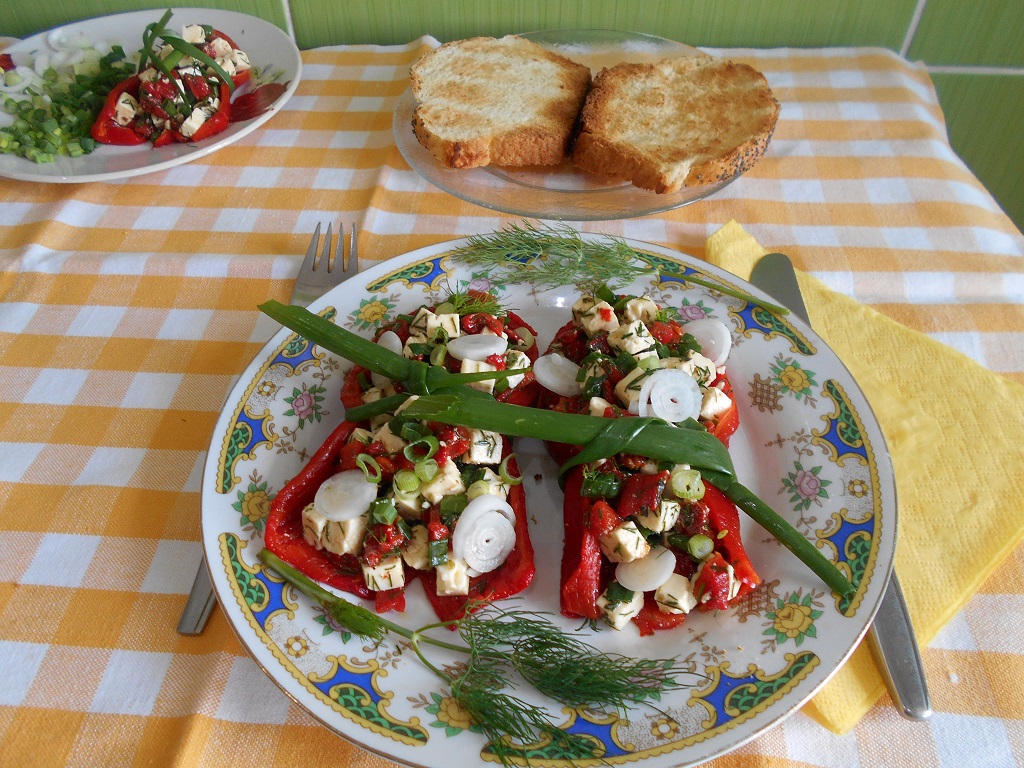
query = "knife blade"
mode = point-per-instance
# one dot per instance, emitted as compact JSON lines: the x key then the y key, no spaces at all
{"x":891,"y":635}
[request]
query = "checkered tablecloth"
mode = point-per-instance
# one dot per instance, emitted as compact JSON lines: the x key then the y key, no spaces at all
{"x":128,"y":309}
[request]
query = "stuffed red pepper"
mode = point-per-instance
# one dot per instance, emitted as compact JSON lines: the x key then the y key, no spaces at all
{"x":644,"y":541}
{"x":390,"y":499}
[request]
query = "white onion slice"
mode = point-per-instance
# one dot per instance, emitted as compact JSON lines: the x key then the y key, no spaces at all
{"x":345,"y":496}
{"x":713,"y":337}
{"x":485,"y":533}
{"x":648,"y":572}
{"x":478,"y":347}
{"x":391,"y":341}
{"x":558,"y":374}
{"x":670,"y":394}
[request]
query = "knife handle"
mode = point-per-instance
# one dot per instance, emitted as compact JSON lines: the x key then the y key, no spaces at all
{"x":900,"y":660}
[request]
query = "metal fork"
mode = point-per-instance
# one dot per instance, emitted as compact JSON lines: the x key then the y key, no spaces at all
{"x":321,"y":270}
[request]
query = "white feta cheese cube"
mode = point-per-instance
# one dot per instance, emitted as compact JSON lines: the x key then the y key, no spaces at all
{"x":624,"y":543}
{"x":714,"y":404}
{"x":408,"y":504}
{"x":701,"y":368}
{"x":418,"y":326}
{"x":661,"y":519}
{"x":241,"y":59}
{"x":598,"y":405}
{"x":340,"y":537}
{"x":477,"y":366}
{"x":416,"y":550}
{"x":193,"y":33}
{"x":392,"y":443}
{"x":628,"y":389}
{"x":675,"y":595}
{"x":599,"y":317}
{"x":227,"y":64}
{"x":449,"y":323}
{"x":633,"y":338}
{"x":447,"y":482}
{"x":389,"y":573}
{"x":617,"y":613}
{"x":492,"y":481}
{"x":452,"y":577}
{"x":221,"y":47}
{"x":126,"y":109}
{"x":642,"y":308}
{"x":582,"y":307}
{"x":515,"y":359}
{"x":484,"y":447}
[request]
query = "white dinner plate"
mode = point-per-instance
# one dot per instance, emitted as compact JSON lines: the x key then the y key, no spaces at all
{"x":269,"y":50}
{"x":808,"y":444}
{"x":562,"y":192}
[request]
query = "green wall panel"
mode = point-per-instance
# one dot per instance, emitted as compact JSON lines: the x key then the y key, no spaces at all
{"x":984,"y":114}
{"x":987,"y":33}
{"x":755,"y":23}
{"x":22,"y":18}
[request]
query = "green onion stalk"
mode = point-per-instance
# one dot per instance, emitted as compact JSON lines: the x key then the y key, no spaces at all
{"x":444,"y":397}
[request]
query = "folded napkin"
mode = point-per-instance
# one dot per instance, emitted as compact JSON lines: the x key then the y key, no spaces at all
{"x":953,"y":429}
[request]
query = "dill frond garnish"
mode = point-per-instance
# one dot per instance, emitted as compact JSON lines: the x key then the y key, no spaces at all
{"x":466,"y":302}
{"x":503,"y":649}
{"x":556,"y":255}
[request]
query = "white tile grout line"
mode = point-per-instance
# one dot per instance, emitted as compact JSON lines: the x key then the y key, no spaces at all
{"x":912,"y":29}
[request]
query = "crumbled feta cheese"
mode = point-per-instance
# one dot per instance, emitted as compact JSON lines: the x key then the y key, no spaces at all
{"x":447,"y":482}
{"x":193,"y":33}
{"x":340,"y":537}
{"x":392,"y":443}
{"x":597,"y":318}
{"x":449,"y":323}
{"x":714,"y":404}
{"x":661,"y":519}
{"x":241,"y":59}
{"x":409,"y":505}
{"x":643,"y":308}
{"x":675,"y":595}
{"x":389,"y":573}
{"x":126,"y":109}
{"x":484,"y":447}
{"x":452,"y":577}
{"x":618,"y":613}
{"x":515,"y":359}
{"x":221,"y":47}
{"x":477,"y":366}
{"x":598,"y":405}
{"x":632,"y":338}
{"x":415,"y":551}
{"x":624,"y":543}
{"x":628,"y":389}
{"x":701,"y":368}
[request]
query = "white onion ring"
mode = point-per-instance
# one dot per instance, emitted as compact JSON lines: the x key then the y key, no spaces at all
{"x":485,"y":533}
{"x":670,"y":394}
{"x":477,"y":347}
{"x":648,"y":572}
{"x":345,"y":496}
{"x":713,"y":337}
{"x":558,"y":373}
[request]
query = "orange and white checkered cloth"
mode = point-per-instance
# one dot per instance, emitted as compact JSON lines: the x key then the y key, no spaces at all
{"x":128,"y":309}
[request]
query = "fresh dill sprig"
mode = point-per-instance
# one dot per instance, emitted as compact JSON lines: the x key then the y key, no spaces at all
{"x":466,"y":302}
{"x":503,"y":647}
{"x":552,"y":256}
{"x":556,"y":255}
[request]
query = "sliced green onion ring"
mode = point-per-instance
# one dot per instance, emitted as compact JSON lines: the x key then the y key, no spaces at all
{"x":426,"y":470}
{"x":505,"y":475}
{"x":370,"y":467}
{"x":438,"y":354}
{"x":423,"y":448}
{"x":406,"y":481}
{"x":700,"y":546}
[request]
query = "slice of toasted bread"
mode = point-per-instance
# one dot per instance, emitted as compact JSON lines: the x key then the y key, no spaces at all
{"x":504,"y":101}
{"x":680,"y":122}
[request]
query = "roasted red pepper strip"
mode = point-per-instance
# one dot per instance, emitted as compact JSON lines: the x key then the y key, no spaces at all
{"x":215,"y":124}
{"x":651,"y":618}
{"x":726,"y":424}
{"x":711,"y":585}
{"x":508,"y":579}
{"x":581,"y":555}
{"x":642,"y":493}
{"x":106,"y":130}
{"x":724,"y":521}
{"x":283,"y":534}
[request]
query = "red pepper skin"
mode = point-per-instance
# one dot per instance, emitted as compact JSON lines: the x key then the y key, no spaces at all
{"x":726,"y":424}
{"x":581,"y":555}
{"x":711,"y":587}
{"x":106,"y":130}
{"x":642,"y":493}
{"x":508,"y":579}
{"x":724,"y":517}
{"x":652,"y":619}
{"x":283,"y":534}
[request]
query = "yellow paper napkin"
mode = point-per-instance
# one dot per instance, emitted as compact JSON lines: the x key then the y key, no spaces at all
{"x":953,"y":429}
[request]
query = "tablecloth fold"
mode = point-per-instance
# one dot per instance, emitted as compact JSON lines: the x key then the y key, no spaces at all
{"x":953,"y":429}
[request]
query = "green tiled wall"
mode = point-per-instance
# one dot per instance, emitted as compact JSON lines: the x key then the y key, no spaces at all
{"x":974,"y":50}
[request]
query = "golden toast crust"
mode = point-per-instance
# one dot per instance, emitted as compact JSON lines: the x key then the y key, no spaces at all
{"x":680,"y":122}
{"x":504,"y":101}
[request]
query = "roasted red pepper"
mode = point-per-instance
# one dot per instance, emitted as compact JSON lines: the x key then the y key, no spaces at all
{"x":581,"y":557}
{"x":724,"y":522}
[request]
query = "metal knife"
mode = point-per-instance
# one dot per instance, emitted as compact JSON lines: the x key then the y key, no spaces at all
{"x":891,"y":635}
